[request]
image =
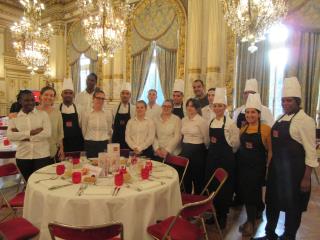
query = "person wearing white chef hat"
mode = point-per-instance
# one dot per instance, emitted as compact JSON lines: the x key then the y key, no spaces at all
{"x":177,"y":96}
{"x":254,"y":153}
{"x":293,"y":157}
{"x":122,"y":112}
{"x":251,"y":87}
{"x":224,"y":139}
{"x":73,"y":139}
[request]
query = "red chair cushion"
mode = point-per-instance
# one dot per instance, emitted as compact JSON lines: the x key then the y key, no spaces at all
{"x":18,"y":229}
{"x":196,"y":210}
{"x":176,"y":160}
{"x":182,"y":230}
{"x":18,"y":200}
{"x":8,"y":170}
{"x":81,"y":234}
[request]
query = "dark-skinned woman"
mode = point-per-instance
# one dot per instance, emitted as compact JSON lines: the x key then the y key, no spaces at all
{"x":224,"y":141}
{"x":195,"y":138}
{"x":31,"y":130}
{"x":254,"y":153}
{"x":293,"y":157}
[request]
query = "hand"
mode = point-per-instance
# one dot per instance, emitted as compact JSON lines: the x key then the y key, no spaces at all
{"x":305,"y":185}
{"x":14,"y":130}
{"x":61,"y":153}
{"x":12,"y":115}
{"x":36,"y":131}
{"x":136,"y":151}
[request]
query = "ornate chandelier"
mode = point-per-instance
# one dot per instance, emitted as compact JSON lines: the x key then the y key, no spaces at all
{"x":31,"y":40}
{"x":105,"y":24}
{"x":251,"y":19}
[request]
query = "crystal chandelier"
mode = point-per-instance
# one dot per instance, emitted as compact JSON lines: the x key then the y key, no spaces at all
{"x":31,"y":40}
{"x":105,"y":24}
{"x":251,"y":19}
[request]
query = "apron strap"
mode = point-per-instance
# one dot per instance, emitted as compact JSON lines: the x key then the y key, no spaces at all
{"x":224,"y":122}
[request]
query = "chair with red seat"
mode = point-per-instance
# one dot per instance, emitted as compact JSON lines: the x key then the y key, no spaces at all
{"x":221,"y":176}
{"x":17,"y":229}
{"x":17,"y":202}
{"x":178,"y":227}
{"x":110,"y":231}
{"x":180,"y":162}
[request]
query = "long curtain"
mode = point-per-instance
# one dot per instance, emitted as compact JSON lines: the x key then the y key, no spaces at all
{"x":166,"y":61}
{"x":140,"y":67}
{"x":305,"y":64}
{"x":75,"y":75}
{"x":93,"y":66}
{"x":253,"y":65}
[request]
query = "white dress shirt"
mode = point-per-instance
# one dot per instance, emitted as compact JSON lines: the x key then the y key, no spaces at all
{"x":97,"y":126}
{"x":84,"y":101}
{"x":153,"y":112}
{"x":38,"y":145}
{"x":207,"y":113}
{"x":195,"y":130}
{"x":231,"y":131}
{"x":67,"y":109}
{"x":168,"y":134}
{"x":266,"y":115}
{"x":303,"y":130}
{"x":124,"y":109}
{"x":140,"y":133}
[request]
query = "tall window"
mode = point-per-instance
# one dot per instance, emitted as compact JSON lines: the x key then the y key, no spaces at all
{"x":84,"y":71}
{"x":153,"y":81}
{"x":278,"y":57}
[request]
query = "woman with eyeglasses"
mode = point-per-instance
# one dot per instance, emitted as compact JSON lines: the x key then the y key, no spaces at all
{"x":96,"y":126}
{"x":140,"y":131}
{"x":47,"y":97}
{"x":195,"y":138}
{"x":168,"y":132}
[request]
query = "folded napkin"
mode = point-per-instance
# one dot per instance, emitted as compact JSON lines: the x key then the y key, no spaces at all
{"x":98,"y":190}
{"x":144,"y":185}
{"x":52,"y":183}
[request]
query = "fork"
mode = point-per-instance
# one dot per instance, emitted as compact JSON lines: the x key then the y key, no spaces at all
{"x":52,"y":178}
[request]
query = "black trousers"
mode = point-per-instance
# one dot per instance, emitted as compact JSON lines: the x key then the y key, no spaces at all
{"x":196,"y":153}
{"x":28,"y":166}
{"x":93,"y":148}
{"x":291,"y":224}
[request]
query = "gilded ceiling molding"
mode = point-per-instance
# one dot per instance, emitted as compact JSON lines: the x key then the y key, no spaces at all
{"x":182,"y":21}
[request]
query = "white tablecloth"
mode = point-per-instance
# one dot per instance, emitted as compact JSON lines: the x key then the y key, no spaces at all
{"x":135,"y":209}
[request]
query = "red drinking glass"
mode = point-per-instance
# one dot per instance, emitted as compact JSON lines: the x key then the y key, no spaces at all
{"x":76,"y":177}
{"x":118,"y":179}
{"x":123,"y":169}
{"x":60,"y":169}
{"x":149,"y":165}
{"x":145,"y":173}
{"x":6,"y":142}
{"x":75,"y":161}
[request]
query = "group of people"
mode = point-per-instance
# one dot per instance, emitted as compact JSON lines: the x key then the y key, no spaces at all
{"x":253,"y":149}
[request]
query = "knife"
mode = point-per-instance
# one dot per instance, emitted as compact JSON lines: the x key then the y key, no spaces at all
{"x":59,"y":186}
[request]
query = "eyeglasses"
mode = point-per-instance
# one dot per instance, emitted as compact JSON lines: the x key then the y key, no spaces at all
{"x":100,"y":98}
{"x":166,"y":106}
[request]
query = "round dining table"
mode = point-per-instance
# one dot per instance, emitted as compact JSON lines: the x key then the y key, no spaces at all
{"x":138,"y":204}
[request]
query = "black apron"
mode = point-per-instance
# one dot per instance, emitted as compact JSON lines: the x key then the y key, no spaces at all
{"x":252,"y":160}
{"x":286,"y":170}
{"x":73,"y":139}
{"x":119,"y":128}
{"x":178,"y":112}
{"x":220,"y":155}
{"x":241,"y":120}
